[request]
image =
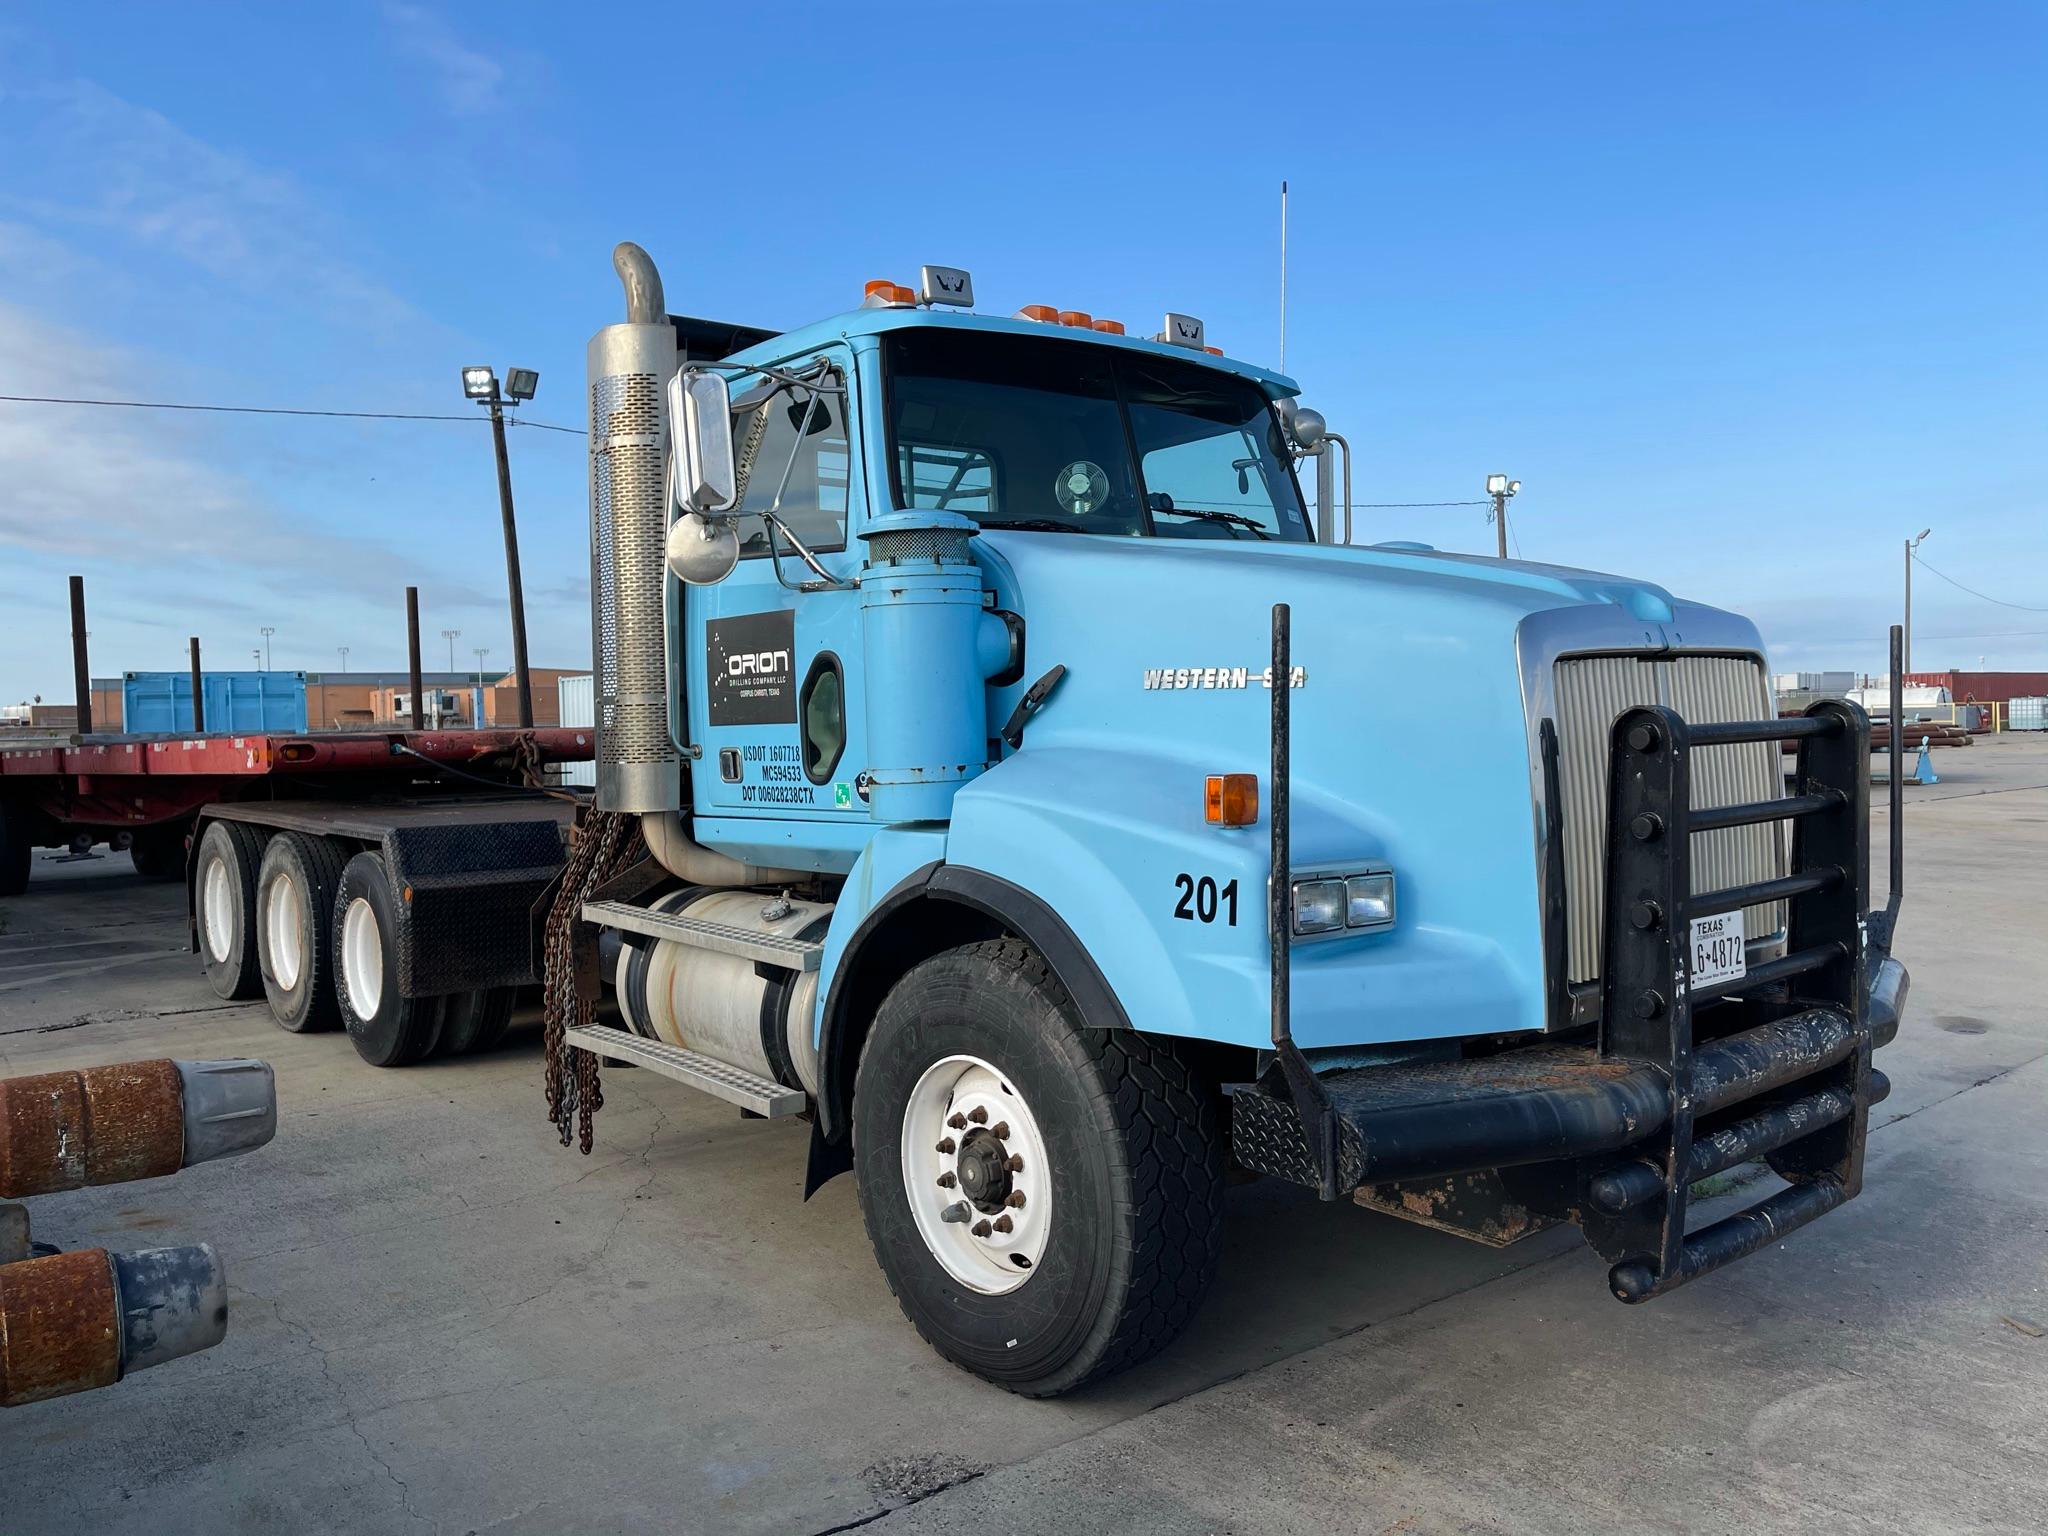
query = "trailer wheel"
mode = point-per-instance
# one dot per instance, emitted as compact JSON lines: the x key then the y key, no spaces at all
{"x":1045,"y":1198}
{"x":295,"y":888}
{"x":158,"y":853}
{"x":14,"y":851}
{"x":476,"y":1021}
{"x":224,"y":897}
{"x":389,"y":1029}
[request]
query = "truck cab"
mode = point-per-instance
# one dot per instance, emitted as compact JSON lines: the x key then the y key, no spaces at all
{"x":1035,"y":797}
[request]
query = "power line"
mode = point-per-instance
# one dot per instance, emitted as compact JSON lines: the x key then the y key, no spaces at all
{"x":1985,"y":596}
{"x":279,"y":410}
{"x":1376,"y":504}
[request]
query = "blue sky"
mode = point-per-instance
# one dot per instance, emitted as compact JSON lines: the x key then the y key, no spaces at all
{"x":1744,"y":294}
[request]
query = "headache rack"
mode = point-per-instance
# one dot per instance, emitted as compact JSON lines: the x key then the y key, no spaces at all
{"x":1681,"y":1082}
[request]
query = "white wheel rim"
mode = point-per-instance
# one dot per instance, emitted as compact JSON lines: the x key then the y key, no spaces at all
{"x":284,"y":914}
{"x":965,"y":1102}
{"x":217,"y":909}
{"x":362,"y":958}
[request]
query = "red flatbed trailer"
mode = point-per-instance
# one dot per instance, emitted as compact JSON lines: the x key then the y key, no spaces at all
{"x":391,"y":881}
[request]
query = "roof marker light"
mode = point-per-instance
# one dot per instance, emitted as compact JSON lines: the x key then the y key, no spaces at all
{"x":884,"y":294}
{"x":1077,"y":317}
{"x":1213,"y":351}
{"x":1044,"y":312}
{"x":1110,"y":327}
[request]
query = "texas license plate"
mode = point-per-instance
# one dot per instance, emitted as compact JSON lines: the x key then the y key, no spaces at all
{"x":1717,"y":949}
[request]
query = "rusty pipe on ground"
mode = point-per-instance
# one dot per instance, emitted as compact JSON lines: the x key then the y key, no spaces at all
{"x":137,"y":1120}
{"x":71,"y":1322}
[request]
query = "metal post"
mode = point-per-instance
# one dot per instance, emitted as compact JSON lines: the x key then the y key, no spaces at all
{"x":81,"y":673}
{"x":1904,"y":655}
{"x":198,"y":691}
{"x":1896,"y":751}
{"x":1326,"y":494}
{"x":1500,"y":522}
{"x":519,"y":669}
{"x":412,"y":651}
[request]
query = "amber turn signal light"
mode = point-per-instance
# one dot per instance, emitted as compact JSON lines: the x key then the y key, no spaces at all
{"x":1231,"y":799}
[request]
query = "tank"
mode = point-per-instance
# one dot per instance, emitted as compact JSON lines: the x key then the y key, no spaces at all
{"x":2028,"y":714}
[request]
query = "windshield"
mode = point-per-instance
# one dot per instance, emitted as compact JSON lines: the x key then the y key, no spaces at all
{"x":1063,"y":437}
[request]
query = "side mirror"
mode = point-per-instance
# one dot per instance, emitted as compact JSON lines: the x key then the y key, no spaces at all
{"x":700,"y":427}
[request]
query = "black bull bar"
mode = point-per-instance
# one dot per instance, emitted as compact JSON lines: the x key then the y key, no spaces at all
{"x":1677,"y":1082}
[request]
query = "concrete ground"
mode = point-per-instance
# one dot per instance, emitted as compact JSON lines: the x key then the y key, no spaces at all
{"x":444,"y":1321}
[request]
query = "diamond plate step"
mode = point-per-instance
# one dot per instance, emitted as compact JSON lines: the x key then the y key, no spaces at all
{"x":763,"y":949}
{"x":735,"y":1085}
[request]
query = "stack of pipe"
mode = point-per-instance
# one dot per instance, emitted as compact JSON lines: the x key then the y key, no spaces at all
{"x":73,"y":1321}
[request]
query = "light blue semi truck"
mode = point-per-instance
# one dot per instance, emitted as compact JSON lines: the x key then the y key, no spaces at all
{"x":1025,"y":803}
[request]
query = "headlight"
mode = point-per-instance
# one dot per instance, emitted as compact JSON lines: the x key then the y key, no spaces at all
{"x":1318,"y":906}
{"x":1369,"y":900}
{"x":1339,"y":902}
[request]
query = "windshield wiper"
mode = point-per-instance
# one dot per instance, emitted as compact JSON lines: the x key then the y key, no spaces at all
{"x":1033,"y":525}
{"x":1236,"y":520}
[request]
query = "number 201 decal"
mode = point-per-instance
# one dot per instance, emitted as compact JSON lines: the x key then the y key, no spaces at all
{"x":1201,"y":900}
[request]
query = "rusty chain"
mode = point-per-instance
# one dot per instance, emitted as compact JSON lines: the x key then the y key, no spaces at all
{"x":601,"y":845}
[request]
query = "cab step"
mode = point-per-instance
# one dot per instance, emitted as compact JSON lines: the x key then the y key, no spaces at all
{"x":762,"y":949}
{"x":758,"y":1095}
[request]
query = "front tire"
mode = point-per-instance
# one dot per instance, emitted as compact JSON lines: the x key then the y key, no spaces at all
{"x":295,"y":887}
{"x":387,"y":1028}
{"x":1113,"y":1143}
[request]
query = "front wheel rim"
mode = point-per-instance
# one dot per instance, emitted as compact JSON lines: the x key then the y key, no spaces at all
{"x":284,"y":914}
{"x":216,"y":903}
{"x":362,"y":958}
{"x":976,"y":1174}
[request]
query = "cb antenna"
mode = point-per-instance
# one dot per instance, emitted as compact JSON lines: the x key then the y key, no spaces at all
{"x":1283,"y":277}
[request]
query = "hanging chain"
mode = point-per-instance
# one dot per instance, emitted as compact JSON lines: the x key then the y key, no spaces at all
{"x":601,"y":845}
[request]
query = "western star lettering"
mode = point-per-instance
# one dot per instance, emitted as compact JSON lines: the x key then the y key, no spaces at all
{"x":1219,"y":677}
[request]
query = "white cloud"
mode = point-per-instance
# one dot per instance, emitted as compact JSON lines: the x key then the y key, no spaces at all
{"x":124,"y":489}
{"x":468,"y":81}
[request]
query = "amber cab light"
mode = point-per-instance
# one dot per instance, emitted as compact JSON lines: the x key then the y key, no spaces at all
{"x":1110,"y":327}
{"x":1231,"y":799}
{"x":1043,"y":312}
{"x":1213,"y":351}
{"x":1079,"y":317}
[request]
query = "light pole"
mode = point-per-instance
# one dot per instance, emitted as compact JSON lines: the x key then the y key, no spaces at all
{"x":344,"y":656}
{"x":481,"y":385}
{"x":1906,"y":634}
{"x":268,"y":631}
{"x":451,"y":636}
{"x":1501,"y":488}
{"x":481,"y":652}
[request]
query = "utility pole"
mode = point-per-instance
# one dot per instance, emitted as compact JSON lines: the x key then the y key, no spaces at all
{"x":1501,"y":489}
{"x":1906,"y":639}
{"x":481,"y":385}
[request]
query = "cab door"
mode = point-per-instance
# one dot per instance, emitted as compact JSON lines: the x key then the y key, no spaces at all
{"x":773,"y":673}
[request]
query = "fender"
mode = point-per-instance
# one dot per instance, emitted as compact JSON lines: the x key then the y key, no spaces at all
{"x":999,"y":905}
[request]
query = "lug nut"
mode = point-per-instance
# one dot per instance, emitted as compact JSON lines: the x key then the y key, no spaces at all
{"x":959,"y":1210}
{"x":958,"y":1122}
{"x":947,"y":1181}
{"x":1004,"y":1224}
{"x":1000,"y":1130}
{"x":1016,"y":1163}
{"x":980,"y":1229}
{"x":978,"y":1115}
{"x":1017,"y":1198}
{"x":946,"y":1146}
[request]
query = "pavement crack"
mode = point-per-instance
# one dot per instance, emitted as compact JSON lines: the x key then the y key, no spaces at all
{"x":1959,"y":1092}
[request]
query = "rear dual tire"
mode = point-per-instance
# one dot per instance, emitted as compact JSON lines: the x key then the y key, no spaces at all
{"x":295,"y":888}
{"x":388,"y":1028}
{"x":224,"y":906}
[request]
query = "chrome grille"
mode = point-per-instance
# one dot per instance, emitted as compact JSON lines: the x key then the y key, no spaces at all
{"x":1591,"y":692}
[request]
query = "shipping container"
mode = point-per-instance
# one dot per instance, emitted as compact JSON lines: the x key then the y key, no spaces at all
{"x":155,"y":703}
{"x":579,"y":707}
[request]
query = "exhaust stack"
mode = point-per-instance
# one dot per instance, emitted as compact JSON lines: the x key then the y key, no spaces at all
{"x":638,"y":767}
